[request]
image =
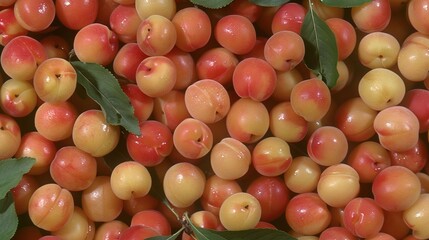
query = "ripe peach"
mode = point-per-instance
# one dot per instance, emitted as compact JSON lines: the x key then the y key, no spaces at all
{"x":311,"y":99}
{"x":78,"y":227}
{"x":286,"y":124}
{"x":355,"y":119}
{"x":307,"y":214}
{"x":368,"y":158}
{"x":18,"y":98}
{"x":185,"y":68}
{"x":127,"y":60}
{"x":23,"y":191}
{"x":192,"y":138}
{"x":73,"y":169}
{"x":378,"y":11}
{"x":154,"y":219}
{"x":96,"y":43}
{"x":55,"y":80}
{"x":363,"y":217}
{"x":397,"y":128}
{"x":130,"y":179}
{"x":183,"y":184}
{"x":99,"y":202}
{"x":21,"y":57}
{"x":345,"y":36}
{"x":327,"y":146}
{"x":156,"y":76}
{"x":60,"y":116}
{"x":34,"y":145}
{"x":143,"y":105}
{"x":217,"y":64}
{"x":378,"y":50}
{"x":240,"y":211}
{"x":35,"y":15}
{"x":110,"y":230}
{"x":230,"y":28}
{"x":302,"y":175}
{"x":380,"y":88}
{"x":230,"y":159}
{"x":124,"y":21}
{"x":170,"y":109}
{"x":268,"y":191}
{"x":9,"y":26}
{"x":284,"y":57}
{"x":271,"y":156}
{"x":166,"y":8}
{"x":50,"y":207}
{"x":338,"y":184}
{"x":289,"y":16}
{"x":254,"y":78}
{"x":10,"y":134}
{"x":207,"y":100}
{"x":247,"y":126}
{"x":92,"y":134}
{"x":417,"y":218}
{"x":76,"y":14}
{"x":156,"y":35}
{"x":193,"y":28}
{"x":396,"y":188}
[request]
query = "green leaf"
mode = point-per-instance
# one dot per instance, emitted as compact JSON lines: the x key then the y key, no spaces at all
{"x":321,"y":54}
{"x":11,"y":171}
{"x":212,"y":4}
{"x":8,"y":217}
{"x":104,"y":88}
{"x":171,"y":237}
{"x":344,"y":3}
{"x":269,"y":3}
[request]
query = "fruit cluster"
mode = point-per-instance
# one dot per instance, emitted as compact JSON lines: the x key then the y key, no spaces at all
{"x":236,"y":131}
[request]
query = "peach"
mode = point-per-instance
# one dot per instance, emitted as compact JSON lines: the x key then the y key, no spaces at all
{"x":193,"y":28}
{"x":156,"y":35}
{"x":254,"y":78}
{"x":284,"y":57}
{"x":34,"y":15}
{"x":10,"y":134}
{"x":50,"y":207}
{"x":156,"y":76}
{"x":207,"y":100}
{"x":76,"y":14}
{"x":247,"y":126}
{"x":96,"y":43}
{"x":21,"y":57}
{"x":93,"y":134}
{"x":34,"y":145}
{"x":18,"y":98}
{"x":311,"y":99}
{"x":55,"y":80}
{"x":60,"y":116}
{"x":192,"y":138}
{"x":9,"y":26}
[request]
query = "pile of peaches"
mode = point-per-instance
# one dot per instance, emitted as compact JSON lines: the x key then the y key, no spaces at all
{"x":236,"y":132}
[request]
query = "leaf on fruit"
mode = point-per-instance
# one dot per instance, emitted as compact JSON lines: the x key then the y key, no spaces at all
{"x":104,"y":88}
{"x":344,"y":4}
{"x":11,"y":172}
{"x":251,"y":234}
{"x":8,"y":217}
{"x":269,"y":3}
{"x":321,"y":53}
{"x":212,"y":4}
{"x":171,"y":237}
